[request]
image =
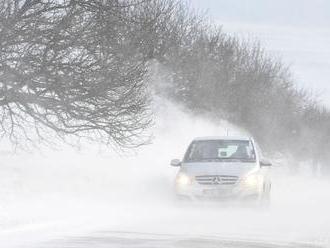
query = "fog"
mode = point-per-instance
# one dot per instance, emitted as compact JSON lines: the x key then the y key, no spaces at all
{"x":295,"y":31}
{"x":281,"y":12}
{"x":105,"y":71}
{"x":54,"y":195}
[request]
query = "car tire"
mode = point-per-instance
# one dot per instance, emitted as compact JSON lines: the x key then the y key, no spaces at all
{"x":265,"y":199}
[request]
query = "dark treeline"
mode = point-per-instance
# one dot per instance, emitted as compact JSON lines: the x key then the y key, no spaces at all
{"x":81,"y":68}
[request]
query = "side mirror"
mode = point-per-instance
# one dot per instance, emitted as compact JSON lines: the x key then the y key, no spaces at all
{"x":265,"y":163}
{"x":175,"y":162}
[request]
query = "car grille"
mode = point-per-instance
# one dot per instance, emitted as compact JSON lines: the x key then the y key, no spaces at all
{"x":216,"y":179}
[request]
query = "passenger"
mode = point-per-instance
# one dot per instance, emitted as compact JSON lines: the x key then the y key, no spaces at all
{"x":241,"y":152}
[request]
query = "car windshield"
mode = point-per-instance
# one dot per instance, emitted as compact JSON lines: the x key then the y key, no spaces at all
{"x":218,"y":150}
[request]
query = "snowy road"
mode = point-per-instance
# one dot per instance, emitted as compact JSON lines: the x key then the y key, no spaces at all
{"x":84,"y":199}
{"x":146,"y":240}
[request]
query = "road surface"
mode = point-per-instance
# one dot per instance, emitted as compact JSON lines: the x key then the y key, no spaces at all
{"x":112,"y":239}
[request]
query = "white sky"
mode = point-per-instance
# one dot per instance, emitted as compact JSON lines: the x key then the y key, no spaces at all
{"x":298,"y":31}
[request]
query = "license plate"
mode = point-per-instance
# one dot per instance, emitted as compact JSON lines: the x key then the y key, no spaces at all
{"x":214,"y":192}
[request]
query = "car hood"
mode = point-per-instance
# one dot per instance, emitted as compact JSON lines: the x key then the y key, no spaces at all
{"x":218,"y":168}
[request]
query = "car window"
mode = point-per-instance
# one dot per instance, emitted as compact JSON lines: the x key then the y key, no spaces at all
{"x":208,"y":150}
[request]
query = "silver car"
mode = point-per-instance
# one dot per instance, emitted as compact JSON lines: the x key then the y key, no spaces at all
{"x":223,"y":168}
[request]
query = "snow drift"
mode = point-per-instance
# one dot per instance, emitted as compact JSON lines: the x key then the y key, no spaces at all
{"x":95,"y":189}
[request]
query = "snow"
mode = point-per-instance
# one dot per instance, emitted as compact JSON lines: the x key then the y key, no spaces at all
{"x":222,"y":138}
{"x":57,"y":196}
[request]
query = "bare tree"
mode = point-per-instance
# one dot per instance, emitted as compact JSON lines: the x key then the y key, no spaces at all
{"x":80,"y":68}
{"x":210,"y":72}
{"x":71,"y":68}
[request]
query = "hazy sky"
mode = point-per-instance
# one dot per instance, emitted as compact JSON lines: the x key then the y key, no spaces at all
{"x":298,"y":31}
{"x":280,"y":12}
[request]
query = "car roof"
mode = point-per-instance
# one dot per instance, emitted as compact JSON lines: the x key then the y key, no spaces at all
{"x":222,"y":138}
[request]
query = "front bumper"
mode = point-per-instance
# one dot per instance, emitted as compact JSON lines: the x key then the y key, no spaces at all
{"x":237,"y":191}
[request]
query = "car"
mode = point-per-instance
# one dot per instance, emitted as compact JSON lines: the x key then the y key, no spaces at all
{"x":223,"y":168}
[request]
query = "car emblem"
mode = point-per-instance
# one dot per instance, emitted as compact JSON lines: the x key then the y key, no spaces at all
{"x":217,"y":180}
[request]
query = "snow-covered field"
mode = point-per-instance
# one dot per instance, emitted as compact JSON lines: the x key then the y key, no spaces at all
{"x":49,"y":197}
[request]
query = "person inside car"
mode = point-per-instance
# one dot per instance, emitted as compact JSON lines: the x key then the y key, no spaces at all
{"x":241,"y":152}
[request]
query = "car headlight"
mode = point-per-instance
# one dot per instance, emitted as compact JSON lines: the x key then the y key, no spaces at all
{"x":183,"y":179}
{"x":253,"y":180}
